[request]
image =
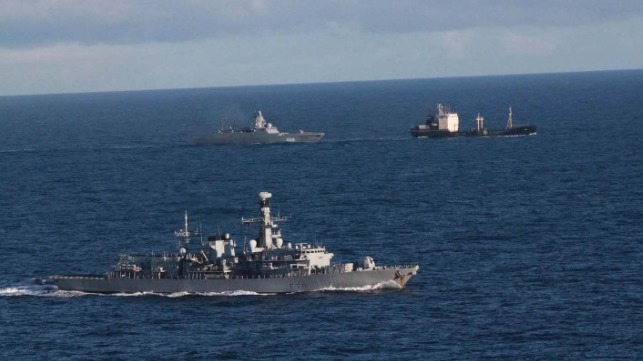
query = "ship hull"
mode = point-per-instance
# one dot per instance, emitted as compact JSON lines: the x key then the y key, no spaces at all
{"x":437,"y":133}
{"x":395,"y":277}
{"x":251,"y":138}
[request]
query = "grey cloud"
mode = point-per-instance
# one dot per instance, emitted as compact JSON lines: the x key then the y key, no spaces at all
{"x":34,"y":23}
{"x":418,"y":15}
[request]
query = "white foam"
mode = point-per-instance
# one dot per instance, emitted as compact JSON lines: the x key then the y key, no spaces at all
{"x":53,"y":291}
{"x":215,"y":294}
{"x":237,"y":293}
{"x":28,"y":290}
{"x":188,"y":294}
{"x":386,"y":285}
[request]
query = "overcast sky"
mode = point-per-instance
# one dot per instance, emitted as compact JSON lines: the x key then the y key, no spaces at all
{"x":56,"y":46}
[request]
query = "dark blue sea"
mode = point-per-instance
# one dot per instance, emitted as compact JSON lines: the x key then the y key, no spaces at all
{"x":530,"y":248}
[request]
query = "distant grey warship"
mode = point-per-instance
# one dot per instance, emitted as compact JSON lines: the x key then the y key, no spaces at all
{"x":265,"y":265}
{"x":447,"y":126}
{"x":261,"y":132}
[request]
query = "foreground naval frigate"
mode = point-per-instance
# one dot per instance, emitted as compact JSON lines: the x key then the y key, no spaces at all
{"x":265,"y":265}
{"x":447,"y":126}
{"x":261,"y":132}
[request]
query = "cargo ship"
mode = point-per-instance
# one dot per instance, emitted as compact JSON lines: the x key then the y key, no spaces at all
{"x":446,"y":124}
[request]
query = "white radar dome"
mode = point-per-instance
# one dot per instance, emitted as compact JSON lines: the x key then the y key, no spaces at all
{"x":368,"y":263}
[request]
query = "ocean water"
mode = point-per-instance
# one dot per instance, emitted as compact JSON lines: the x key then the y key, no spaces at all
{"x":530,"y":248}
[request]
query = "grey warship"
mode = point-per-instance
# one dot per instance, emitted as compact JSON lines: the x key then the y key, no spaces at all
{"x":261,"y":132}
{"x":266,"y":265}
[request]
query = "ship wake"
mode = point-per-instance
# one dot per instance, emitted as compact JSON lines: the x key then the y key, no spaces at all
{"x":183,"y":294}
{"x":386,"y":285}
{"x":48,"y":290}
{"x":28,"y":290}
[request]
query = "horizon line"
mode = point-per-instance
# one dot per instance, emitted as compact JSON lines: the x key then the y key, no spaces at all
{"x":320,"y":82}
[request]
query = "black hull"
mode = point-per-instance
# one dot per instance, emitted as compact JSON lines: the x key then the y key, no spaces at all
{"x":437,"y":133}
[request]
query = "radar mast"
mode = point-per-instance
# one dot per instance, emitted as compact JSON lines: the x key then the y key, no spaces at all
{"x":510,"y":120}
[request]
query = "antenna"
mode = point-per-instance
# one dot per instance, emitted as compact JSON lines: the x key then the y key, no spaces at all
{"x":480,"y":121}
{"x":184,"y":234}
{"x":510,"y":120}
{"x":201,"y":230}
